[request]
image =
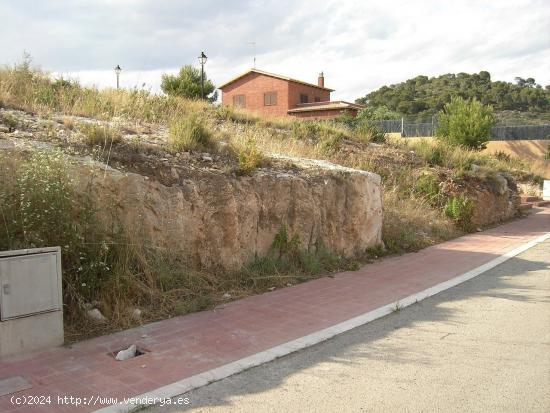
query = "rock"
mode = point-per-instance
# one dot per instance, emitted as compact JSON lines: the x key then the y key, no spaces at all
{"x":494,"y":201}
{"x":88,"y":306}
{"x":136,"y":314}
{"x":475,"y":168}
{"x":499,"y":184}
{"x":207,"y":158}
{"x":95,"y":314}
{"x":226,"y":296}
{"x":271,"y":288}
{"x":214,"y":220}
{"x":129,"y":353}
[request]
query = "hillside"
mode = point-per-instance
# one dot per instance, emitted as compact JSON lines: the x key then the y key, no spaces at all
{"x":165,"y":151}
{"x":424,"y":96}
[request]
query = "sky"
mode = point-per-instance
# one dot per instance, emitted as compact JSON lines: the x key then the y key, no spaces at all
{"x":360,"y":45}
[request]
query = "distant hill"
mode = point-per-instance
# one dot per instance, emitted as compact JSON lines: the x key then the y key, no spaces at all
{"x":425,"y":96}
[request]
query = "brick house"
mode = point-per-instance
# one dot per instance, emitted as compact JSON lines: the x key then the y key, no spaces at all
{"x":269,"y":94}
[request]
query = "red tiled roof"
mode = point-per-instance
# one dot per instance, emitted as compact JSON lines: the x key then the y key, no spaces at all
{"x":331,"y":105}
{"x":261,"y":72}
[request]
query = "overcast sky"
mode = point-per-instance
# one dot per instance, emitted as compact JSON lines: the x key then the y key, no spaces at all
{"x":359,"y":44}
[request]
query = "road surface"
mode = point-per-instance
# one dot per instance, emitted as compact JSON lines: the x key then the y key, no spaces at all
{"x":483,"y":346}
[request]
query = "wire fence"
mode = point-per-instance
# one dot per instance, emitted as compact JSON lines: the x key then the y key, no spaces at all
{"x":498,"y":133}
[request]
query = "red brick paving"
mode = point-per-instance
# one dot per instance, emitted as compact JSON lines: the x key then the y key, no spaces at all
{"x":183,"y":346}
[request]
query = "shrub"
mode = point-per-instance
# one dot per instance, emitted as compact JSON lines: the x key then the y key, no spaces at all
{"x":10,"y":121}
{"x":250,"y":158}
{"x":188,"y":133}
{"x":460,"y":209}
{"x":329,"y":143}
{"x":427,"y":186}
{"x":303,"y":129}
{"x":465,"y":122}
{"x":99,"y":135}
{"x":369,"y":131}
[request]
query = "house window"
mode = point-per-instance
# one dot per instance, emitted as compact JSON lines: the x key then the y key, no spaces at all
{"x":270,"y":98}
{"x":239,"y":101}
{"x":317,"y":99}
{"x":303,"y":98}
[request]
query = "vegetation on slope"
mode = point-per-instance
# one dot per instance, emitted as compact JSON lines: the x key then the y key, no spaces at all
{"x":426,"y":96}
{"x":120,"y":269}
{"x":465,"y":122}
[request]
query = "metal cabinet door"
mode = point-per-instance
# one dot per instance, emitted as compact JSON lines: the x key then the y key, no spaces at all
{"x":29,"y":284}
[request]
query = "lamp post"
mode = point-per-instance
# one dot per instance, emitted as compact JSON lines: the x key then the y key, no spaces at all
{"x":117,"y":71}
{"x":202,"y":61}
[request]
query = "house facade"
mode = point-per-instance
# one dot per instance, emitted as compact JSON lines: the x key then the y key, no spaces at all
{"x":275,"y":95}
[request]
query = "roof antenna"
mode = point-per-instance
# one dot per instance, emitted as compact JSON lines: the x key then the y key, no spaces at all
{"x":254,"y":47}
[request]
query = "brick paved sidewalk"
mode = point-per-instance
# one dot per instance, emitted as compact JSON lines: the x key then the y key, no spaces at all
{"x":184,"y":346}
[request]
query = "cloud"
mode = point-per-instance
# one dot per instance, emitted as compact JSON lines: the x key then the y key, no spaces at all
{"x":360,"y":45}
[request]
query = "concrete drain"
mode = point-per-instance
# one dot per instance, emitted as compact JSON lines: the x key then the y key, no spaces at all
{"x":128,"y":353}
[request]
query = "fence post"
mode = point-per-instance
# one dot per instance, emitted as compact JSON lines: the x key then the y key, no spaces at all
{"x":402,"y":128}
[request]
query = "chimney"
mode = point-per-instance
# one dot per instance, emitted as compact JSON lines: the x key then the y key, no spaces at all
{"x":321,"y":80}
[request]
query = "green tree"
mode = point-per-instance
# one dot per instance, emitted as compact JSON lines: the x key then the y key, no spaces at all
{"x":465,"y":122}
{"x":187,"y":83}
{"x":377,"y":113}
{"x":423,"y":96}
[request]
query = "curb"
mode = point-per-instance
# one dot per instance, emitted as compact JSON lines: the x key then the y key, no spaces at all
{"x":218,"y":373}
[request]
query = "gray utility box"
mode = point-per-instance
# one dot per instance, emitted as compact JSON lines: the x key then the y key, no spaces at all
{"x":31,"y":309}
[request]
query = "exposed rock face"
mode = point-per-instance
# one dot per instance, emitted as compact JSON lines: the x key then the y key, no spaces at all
{"x":496,"y":200}
{"x":216,"y":220}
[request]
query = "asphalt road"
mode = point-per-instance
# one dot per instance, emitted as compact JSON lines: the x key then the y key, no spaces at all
{"x":483,"y":346}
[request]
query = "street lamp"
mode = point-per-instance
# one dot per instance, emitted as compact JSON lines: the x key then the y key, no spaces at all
{"x":117,"y":71}
{"x":202,"y":61}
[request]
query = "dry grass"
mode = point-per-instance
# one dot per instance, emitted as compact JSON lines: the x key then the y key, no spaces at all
{"x":411,"y":224}
{"x":99,"y":135}
{"x":189,"y":133}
